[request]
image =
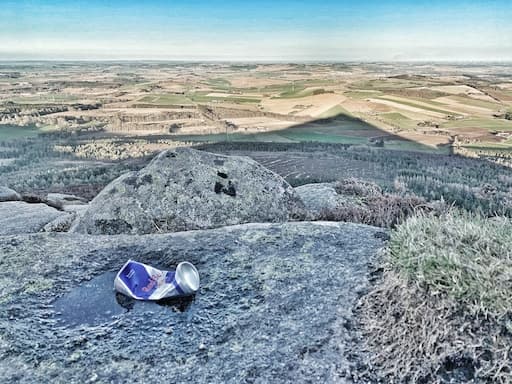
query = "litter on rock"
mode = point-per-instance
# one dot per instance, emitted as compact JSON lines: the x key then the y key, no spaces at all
{"x":143,"y":282}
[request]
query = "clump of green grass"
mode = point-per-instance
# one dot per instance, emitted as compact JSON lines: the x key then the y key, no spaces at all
{"x":462,"y":255}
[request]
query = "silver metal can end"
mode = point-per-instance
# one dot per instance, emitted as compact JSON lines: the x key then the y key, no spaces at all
{"x":187,"y":277}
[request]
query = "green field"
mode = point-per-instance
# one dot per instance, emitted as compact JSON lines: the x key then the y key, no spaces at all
{"x":490,"y":124}
{"x":300,"y":92}
{"x":220,"y":84}
{"x":202,"y":97}
{"x":285,"y":136}
{"x":9,"y":132}
{"x":295,"y":89}
{"x":165,"y":99}
{"x":384,"y":84}
{"x":287,"y":90}
{"x":334,"y":111}
{"x":403,"y":145}
{"x":338,"y":129}
{"x":191,"y":98}
{"x":45,"y":99}
{"x":419,"y":106}
{"x":505,"y":146}
{"x":362,"y":94}
{"x":397,"y":119}
{"x":476,"y":102}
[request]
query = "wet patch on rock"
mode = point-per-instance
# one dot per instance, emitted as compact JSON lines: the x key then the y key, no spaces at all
{"x":273,"y":306}
{"x":95,"y":302}
{"x":91,"y":303}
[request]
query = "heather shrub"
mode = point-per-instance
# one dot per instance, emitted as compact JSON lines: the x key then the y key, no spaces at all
{"x":365,"y":202}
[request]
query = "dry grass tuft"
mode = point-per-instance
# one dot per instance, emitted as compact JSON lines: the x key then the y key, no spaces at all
{"x":417,"y":336}
{"x":357,"y":187}
{"x":442,"y":311}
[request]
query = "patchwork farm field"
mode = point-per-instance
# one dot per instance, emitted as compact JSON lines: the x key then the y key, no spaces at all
{"x":432,"y":107}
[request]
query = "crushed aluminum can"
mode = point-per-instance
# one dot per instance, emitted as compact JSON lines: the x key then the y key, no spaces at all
{"x":143,"y":282}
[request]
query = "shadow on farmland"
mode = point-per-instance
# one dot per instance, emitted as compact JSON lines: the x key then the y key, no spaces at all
{"x":338,"y":129}
{"x":323,"y":150}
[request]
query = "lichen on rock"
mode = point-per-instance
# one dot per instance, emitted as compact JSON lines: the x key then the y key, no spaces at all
{"x":185,"y":189}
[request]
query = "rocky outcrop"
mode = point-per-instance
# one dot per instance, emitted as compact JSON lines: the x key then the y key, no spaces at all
{"x":319,"y":198}
{"x":60,"y":224}
{"x":274,"y":306}
{"x":184,"y":189}
{"x":7,"y":194}
{"x":19,"y":217}
{"x":61,"y":200}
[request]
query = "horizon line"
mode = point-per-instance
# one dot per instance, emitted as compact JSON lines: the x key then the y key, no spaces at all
{"x":257,"y":61}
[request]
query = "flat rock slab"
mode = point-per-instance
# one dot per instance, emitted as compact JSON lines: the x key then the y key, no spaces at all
{"x":185,"y":189}
{"x":7,"y":194}
{"x":18,"y":217}
{"x":61,"y":200}
{"x":275,"y":305}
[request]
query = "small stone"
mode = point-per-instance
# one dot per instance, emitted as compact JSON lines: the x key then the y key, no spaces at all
{"x":319,"y":198}
{"x":75,"y":356}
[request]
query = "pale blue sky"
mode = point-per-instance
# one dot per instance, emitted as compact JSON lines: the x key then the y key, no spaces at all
{"x":263,"y":30}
